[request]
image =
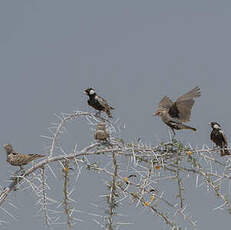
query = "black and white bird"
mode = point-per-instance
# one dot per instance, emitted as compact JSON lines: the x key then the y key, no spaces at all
{"x":98,"y":102}
{"x":175,"y":113}
{"x":219,"y":138}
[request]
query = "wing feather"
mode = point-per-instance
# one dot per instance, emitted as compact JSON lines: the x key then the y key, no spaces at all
{"x":195,"y":92}
{"x":223,"y":138}
{"x":165,"y":103}
{"x":185,"y":103}
{"x":103,"y":102}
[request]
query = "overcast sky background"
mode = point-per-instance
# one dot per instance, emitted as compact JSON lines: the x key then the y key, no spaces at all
{"x":133,"y":53}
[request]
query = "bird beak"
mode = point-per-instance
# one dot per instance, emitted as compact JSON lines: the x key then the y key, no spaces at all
{"x":84,"y":92}
{"x":156,"y":114}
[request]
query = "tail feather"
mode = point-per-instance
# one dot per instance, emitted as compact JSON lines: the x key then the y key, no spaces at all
{"x":189,"y":127}
{"x":36,"y":155}
{"x":32,"y":157}
{"x":39,"y":155}
{"x":225,"y":152}
{"x":108,"y":112}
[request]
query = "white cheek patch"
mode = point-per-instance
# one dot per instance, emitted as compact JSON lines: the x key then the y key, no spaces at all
{"x":92,"y":92}
{"x":216,"y":126}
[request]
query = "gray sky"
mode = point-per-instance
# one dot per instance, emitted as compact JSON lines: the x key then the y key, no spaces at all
{"x":133,"y":52}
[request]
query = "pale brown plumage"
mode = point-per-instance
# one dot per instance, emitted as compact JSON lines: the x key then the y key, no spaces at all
{"x":17,"y":159}
{"x":175,"y":113}
{"x":101,"y":132}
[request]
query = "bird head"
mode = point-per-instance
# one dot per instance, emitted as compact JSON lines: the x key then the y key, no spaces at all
{"x":89,"y":91}
{"x":215,"y":125}
{"x":159,"y":112}
{"x":8,"y":148}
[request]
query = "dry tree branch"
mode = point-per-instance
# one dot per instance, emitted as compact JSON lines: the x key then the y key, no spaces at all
{"x":111,"y":197}
{"x":180,"y":185}
{"x":149,"y":168}
{"x":66,"y":199}
{"x":11,"y":186}
{"x":44,"y":198}
{"x":62,"y":124}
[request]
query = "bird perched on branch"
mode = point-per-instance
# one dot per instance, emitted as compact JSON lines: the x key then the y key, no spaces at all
{"x":219,"y":138}
{"x":98,"y":102}
{"x":17,"y":159}
{"x":175,"y":113}
{"x":101,"y":132}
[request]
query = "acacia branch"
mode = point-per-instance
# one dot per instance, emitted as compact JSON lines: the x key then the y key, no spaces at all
{"x":12,"y":185}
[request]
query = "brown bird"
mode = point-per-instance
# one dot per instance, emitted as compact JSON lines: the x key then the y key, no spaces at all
{"x":101,"y":132}
{"x":219,"y":138}
{"x":17,"y":159}
{"x":98,"y":102}
{"x":175,"y":113}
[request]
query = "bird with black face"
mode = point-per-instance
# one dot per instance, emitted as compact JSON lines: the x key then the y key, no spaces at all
{"x":219,"y":138}
{"x":17,"y":159}
{"x":98,"y":102}
{"x":173,"y":114}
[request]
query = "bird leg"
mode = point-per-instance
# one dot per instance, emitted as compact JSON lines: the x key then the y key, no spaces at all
{"x":98,"y":114}
{"x":18,"y":171}
{"x":172,"y":135}
{"x":108,"y":143}
{"x":22,"y":170}
{"x":16,"y":176}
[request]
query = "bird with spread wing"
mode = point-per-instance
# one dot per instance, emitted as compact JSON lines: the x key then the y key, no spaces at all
{"x":174,"y":114}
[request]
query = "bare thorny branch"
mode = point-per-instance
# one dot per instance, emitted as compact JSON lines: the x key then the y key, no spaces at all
{"x":112,"y":195}
{"x":135,"y":172}
{"x":66,"y":199}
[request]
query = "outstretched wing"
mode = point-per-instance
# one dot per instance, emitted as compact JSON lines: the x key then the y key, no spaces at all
{"x":195,"y":92}
{"x":165,"y":103}
{"x":181,"y":109}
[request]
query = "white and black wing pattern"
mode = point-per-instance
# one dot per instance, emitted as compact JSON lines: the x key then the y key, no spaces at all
{"x":106,"y":107}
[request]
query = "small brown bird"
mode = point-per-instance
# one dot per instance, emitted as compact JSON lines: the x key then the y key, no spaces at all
{"x":101,"y":132}
{"x":98,"y":102}
{"x":219,"y":138}
{"x":175,"y":113}
{"x":17,"y":159}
